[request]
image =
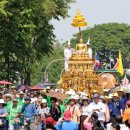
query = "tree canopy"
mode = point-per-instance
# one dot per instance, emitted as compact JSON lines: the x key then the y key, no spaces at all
{"x":26,"y":34}
{"x":113,"y":36}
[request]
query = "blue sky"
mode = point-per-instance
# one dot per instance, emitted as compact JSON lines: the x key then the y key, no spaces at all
{"x":95,"y":12}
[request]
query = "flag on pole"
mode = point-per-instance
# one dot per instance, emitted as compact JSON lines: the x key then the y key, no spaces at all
{"x":116,"y":65}
{"x":125,"y":81}
{"x":120,"y":65}
{"x":97,"y":63}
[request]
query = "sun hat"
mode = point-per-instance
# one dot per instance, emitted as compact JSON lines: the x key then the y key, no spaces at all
{"x":15,"y":100}
{"x":44,"y":101}
{"x":72,"y":97}
{"x":115,"y":95}
{"x":2,"y":101}
{"x":67,"y":115}
{"x":84,"y":98}
{"x":50,"y":120}
{"x":121,"y":90}
{"x":95,"y":96}
{"x":21,"y":93}
{"x":8,"y":95}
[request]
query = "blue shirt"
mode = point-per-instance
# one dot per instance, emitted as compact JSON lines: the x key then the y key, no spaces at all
{"x":29,"y":111}
{"x":123,"y":103}
{"x":67,"y":125}
{"x":115,"y":108}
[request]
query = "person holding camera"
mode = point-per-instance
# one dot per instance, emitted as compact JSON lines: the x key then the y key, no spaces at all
{"x":99,"y":108}
{"x":92,"y":122}
{"x":66,"y":123}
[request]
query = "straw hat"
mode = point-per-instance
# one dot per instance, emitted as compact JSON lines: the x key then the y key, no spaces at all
{"x":84,"y":98}
{"x":121,"y":90}
{"x":115,"y":95}
{"x":2,"y":101}
{"x":8,"y":95}
{"x":72,"y":97}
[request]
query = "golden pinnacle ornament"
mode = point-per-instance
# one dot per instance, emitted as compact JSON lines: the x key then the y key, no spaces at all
{"x":79,"y":21}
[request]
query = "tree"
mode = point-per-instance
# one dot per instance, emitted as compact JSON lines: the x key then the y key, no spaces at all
{"x":26,"y":35}
{"x":113,"y":36}
{"x":54,"y":70}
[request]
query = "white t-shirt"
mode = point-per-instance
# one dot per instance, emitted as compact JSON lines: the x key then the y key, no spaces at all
{"x":85,"y":110}
{"x":99,"y":106}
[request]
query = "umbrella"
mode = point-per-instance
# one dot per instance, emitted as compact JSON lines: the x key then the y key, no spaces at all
{"x":24,"y":87}
{"x":36,"y":88}
{"x":57,"y":95}
{"x":5,"y":82}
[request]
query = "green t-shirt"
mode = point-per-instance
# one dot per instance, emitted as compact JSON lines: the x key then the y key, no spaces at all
{"x":8,"y":106}
{"x":21,"y":102}
{"x":62,"y":108}
{"x":48,"y":98}
{"x":13,"y":111}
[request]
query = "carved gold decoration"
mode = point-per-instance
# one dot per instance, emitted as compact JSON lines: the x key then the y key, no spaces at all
{"x":81,"y":75}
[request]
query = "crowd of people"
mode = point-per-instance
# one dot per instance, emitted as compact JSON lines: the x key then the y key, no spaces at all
{"x":34,"y":110}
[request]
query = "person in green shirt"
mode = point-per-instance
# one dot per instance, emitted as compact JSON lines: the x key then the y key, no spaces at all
{"x":62,"y":107}
{"x":21,"y":100}
{"x":21,"y":103}
{"x":8,"y":99}
{"x":13,"y":115}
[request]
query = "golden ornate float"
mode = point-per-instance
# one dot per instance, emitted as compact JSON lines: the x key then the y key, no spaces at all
{"x":80,"y":75}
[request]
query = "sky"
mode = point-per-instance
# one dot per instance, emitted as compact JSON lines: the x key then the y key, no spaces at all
{"x":95,"y":12}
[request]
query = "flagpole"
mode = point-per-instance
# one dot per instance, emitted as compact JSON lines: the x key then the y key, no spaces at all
{"x":110,"y":60}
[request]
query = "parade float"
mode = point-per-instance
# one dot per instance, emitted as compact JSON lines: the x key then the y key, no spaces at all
{"x":79,"y":72}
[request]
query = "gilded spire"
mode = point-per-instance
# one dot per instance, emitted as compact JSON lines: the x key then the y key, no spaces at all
{"x":79,"y":20}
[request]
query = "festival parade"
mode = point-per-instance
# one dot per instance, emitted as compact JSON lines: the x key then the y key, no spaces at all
{"x":78,"y":82}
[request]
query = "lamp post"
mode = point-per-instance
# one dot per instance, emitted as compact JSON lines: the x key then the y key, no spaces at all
{"x":45,"y":72}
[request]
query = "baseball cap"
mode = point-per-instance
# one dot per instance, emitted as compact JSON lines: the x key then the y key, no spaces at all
{"x":50,"y":120}
{"x":67,"y":115}
{"x":27,"y":98}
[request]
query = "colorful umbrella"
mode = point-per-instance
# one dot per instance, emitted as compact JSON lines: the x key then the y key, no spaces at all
{"x":36,"y":88}
{"x":24,"y":87}
{"x":5,"y":82}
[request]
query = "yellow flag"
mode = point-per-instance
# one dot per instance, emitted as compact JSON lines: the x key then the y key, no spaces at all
{"x":120,"y":65}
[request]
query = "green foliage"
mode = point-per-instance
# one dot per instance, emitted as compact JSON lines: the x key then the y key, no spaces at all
{"x":54,"y":70}
{"x":113,"y":36}
{"x":26,"y":34}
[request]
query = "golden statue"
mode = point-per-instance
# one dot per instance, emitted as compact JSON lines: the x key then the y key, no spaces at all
{"x":81,"y":46}
{"x":81,"y":76}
